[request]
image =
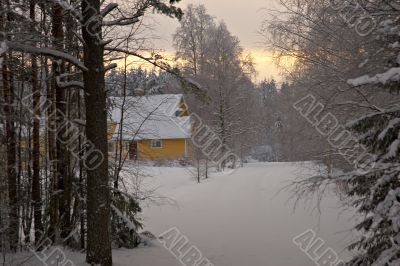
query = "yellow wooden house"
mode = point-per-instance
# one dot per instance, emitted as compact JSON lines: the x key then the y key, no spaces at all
{"x":154,"y":127}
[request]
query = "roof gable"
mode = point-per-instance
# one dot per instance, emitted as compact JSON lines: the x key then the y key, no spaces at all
{"x":150,"y":117}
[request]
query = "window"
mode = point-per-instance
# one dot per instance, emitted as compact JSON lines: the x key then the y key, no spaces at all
{"x":156,"y":143}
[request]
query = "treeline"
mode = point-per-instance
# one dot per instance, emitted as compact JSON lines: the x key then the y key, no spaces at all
{"x":149,"y":81}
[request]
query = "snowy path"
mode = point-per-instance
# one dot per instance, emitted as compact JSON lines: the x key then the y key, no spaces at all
{"x":234,"y":220}
{"x":239,"y":220}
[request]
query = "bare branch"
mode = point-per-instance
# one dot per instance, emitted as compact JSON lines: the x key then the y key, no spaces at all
{"x":109,"y":67}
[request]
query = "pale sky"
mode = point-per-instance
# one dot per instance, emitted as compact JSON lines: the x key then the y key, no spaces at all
{"x":243,"y":18}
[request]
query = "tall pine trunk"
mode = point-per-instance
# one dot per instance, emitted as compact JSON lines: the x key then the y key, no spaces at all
{"x":10,"y":135}
{"x":52,"y":153}
{"x":36,"y":193}
{"x":98,"y":193}
{"x":64,"y":207}
{"x":11,"y":161}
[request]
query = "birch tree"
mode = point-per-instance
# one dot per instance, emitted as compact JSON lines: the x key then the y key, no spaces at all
{"x":215,"y":59}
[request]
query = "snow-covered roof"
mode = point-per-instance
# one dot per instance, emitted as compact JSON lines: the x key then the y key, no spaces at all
{"x":150,"y":117}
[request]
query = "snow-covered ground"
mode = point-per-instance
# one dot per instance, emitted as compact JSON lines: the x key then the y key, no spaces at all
{"x":235,"y":220}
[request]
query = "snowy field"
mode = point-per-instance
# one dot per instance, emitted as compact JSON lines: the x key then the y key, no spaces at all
{"x":235,"y":220}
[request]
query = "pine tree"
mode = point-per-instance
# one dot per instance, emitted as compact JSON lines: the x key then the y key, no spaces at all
{"x":376,"y":193}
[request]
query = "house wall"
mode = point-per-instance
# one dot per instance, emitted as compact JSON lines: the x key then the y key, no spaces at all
{"x":113,"y":145}
{"x":111,"y":127}
{"x":171,"y":149}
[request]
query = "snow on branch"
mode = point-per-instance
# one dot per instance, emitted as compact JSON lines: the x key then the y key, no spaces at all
{"x":392,"y":74}
{"x":373,"y":115}
{"x":68,"y":8}
{"x":70,"y":84}
{"x":121,"y":21}
{"x":361,"y":105}
{"x":124,"y":20}
{"x":109,"y":8}
{"x":46,"y":51}
{"x":391,"y":125}
{"x":110,"y":66}
{"x":127,"y":221}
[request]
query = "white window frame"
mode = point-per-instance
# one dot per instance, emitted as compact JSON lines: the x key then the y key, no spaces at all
{"x":153,"y":141}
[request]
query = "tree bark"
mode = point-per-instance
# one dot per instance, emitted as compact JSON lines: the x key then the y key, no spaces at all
{"x":10,"y":140}
{"x":10,"y":135}
{"x":98,"y":193}
{"x":81,"y":183}
{"x":36,"y":193}
{"x":52,"y":153}
{"x":64,"y":205}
